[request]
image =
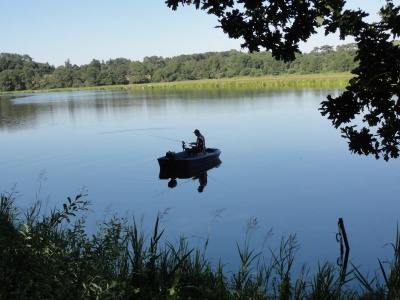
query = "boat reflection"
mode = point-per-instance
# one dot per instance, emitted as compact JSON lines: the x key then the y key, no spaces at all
{"x":199,"y":173}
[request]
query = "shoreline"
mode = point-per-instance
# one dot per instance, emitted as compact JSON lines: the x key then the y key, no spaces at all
{"x":328,"y":80}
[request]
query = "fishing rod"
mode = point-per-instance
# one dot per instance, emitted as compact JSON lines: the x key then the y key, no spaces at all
{"x":183,"y":142}
{"x":161,"y":137}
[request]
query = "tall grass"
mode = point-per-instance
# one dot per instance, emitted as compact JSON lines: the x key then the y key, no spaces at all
{"x":303,"y":81}
{"x":334,"y":80}
{"x":53,"y":255}
{"x":299,"y":81}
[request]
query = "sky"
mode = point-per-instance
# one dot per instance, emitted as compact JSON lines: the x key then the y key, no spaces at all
{"x":54,"y":31}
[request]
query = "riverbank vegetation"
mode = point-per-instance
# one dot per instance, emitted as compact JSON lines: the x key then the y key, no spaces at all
{"x":20,"y":72}
{"x":329,"y":80}
{"x":46,"y":255}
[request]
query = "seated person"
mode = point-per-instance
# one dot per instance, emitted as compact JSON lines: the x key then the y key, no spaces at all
{"x":200,"y":145}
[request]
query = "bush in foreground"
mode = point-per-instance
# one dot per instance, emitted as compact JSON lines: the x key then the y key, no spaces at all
{"x":47,"y":256}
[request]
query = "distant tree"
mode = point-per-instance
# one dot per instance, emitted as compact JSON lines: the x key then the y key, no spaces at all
{"x":277,"y":67}
{"x":28,"y":75}
{"x":326,"y":49}
{"x":138,"y":72}
{"x":20,"y":72}
{"x":257,"y":60}
{"x":342,"y":62}
{"x":373,"y":94}
{"x":315,"y":50}
{"x":171,"y":70}
{"x":215,"y":66}
{"x":347,"y":47}
{"x":9,"y":61}
{"x":106,"y":77}
{"x":188,"y":70}
{"x":6,"y":81}
{"x":116,"y":71}
{"x":92,"y":72}
{"x":68,"y":64}
{"x":59,"y":78}
{"x":153,"y":63}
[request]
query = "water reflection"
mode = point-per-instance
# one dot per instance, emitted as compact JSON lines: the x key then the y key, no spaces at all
{"x":341,"y":237}
{"x":199,"y":174}
{"x":276,"y":147}
{"x":19,"y":112}
{"x":202,"y":181}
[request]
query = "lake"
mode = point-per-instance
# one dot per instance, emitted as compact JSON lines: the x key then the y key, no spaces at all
{"x":283,"y":164}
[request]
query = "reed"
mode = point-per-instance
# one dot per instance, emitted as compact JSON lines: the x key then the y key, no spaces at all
{"x":389,"y":288}
{"x":47,"y":255}
{"x":271,"y":82}
{"x":328,"y":80}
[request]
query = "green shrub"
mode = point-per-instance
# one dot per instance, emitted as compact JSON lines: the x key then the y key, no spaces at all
{"x":52,"y":255}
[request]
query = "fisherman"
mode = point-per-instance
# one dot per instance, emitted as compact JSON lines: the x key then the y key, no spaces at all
{"x":203,"y":182}
{"x":200,"y":145}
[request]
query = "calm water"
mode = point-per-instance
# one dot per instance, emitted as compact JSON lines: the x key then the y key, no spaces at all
{"x":282,"y":163}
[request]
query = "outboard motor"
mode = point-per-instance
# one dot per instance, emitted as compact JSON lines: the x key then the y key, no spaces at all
{"x":170,"y":155}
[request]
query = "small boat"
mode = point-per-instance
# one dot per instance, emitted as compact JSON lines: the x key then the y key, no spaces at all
{"x":190,"y":163}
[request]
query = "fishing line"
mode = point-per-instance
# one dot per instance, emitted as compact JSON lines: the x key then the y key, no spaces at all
{"x":216,"y":146}
{"x":217,"y":180}
{"x":160,"y":137}
{"x":117,"y":131}
{"x":178,"y":185}
{"x":183,"y":142}
{"x":127,"y":130}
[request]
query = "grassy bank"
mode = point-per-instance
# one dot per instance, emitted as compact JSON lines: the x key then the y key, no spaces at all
{"x":331,"y":80}
{"x":298,"y":81}
{"x":46,"y":256}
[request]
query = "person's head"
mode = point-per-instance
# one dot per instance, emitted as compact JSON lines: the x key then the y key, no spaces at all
{"x":196,"y":132}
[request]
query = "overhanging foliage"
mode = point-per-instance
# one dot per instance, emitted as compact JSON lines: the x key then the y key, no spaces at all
{"x":373,"y":94}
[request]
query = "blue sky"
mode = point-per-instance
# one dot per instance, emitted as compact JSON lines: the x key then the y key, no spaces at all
{"x":81,"y":30}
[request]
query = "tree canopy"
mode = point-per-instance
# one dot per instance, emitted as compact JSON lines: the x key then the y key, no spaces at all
{"x":367,"y":112}
{"x":20,"y":72}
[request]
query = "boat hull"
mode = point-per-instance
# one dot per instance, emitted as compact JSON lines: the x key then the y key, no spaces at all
{"x":185,"y":163}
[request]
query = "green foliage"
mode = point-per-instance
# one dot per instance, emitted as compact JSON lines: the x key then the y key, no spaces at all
{"x":374,"y":92}
{"x":372,"y":97}
{"x":48,"y":255}
{"x":18,"y":73}
{"x":276,"y":25}
{"x":390,"y":287}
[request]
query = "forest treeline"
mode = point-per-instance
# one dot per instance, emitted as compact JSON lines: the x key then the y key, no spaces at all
{"x":21,"y":72}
